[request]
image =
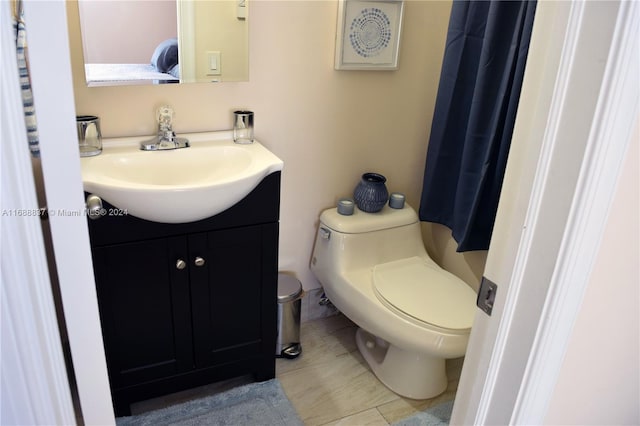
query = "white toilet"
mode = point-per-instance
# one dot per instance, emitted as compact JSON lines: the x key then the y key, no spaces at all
{"x":412,"y":314}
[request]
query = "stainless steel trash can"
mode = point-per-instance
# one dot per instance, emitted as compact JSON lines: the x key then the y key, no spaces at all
{"x":289,"y":303}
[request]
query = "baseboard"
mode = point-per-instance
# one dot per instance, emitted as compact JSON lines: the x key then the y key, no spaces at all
{"x":311,"y":307}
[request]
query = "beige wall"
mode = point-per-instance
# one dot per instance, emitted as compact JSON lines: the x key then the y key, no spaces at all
{"x":602,"y":359}
{"x":327,"y":126}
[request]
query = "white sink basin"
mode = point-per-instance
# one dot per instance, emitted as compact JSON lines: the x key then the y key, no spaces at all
{"x":181,"y":185}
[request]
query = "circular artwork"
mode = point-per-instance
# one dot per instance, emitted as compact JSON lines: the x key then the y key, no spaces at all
{"x":370,"y":32}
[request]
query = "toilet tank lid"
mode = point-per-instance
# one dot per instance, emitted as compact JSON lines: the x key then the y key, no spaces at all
{"x":360,"y":221}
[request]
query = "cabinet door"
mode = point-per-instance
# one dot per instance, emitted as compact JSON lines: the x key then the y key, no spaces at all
{"x":144,"y":309}
{"x":233,"y":294}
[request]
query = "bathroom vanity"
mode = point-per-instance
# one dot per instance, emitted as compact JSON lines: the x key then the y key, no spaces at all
{"x":187,"y":304}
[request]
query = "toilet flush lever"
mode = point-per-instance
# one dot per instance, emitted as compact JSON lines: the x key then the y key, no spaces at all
{"x":325,"y":234}
{"x":486,"y":295}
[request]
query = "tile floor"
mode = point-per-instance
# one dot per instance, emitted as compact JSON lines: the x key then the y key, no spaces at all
{"x":329,"y":383}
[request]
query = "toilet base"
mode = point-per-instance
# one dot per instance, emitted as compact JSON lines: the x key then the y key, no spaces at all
{"x":410,"y":374}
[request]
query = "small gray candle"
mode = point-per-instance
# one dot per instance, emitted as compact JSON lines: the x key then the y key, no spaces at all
{"x":396,"y":200}
{"x":346,"y":206}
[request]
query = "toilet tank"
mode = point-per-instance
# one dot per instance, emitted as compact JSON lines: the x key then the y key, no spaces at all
{"x":364,"y":240}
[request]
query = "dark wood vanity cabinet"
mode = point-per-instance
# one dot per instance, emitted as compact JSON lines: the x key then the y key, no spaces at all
{"x":183,"y":305}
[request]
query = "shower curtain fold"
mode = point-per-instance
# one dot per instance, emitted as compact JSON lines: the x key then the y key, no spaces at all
{"x":481,"y":78}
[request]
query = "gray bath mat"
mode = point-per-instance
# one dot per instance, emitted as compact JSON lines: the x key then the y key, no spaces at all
{"x":256,"y":404}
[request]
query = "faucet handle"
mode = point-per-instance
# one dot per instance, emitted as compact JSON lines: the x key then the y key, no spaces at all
{"x":164,"y":115}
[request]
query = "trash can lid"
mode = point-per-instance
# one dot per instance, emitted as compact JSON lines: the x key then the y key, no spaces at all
{"x":289,"y":288}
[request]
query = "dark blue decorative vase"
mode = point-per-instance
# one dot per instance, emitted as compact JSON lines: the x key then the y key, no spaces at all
{"x":371,"y":193}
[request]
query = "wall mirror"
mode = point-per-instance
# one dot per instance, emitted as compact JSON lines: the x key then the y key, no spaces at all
{"x":164,"y":41}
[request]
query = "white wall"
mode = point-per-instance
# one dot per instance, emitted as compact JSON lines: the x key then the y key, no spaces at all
{"x":602,"y":362}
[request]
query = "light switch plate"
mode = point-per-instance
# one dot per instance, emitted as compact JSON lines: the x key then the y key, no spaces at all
{"x":213,"y":65}
{"x":241,"y":9}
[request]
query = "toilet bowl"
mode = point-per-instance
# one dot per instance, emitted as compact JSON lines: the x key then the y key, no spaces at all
{"x":412,"y":315}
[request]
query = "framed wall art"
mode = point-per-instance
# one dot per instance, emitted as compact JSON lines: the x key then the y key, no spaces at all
{"x":368,"y":34}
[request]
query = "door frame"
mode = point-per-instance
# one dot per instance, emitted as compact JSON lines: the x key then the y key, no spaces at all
{"x":52,"y":84}
{"x":35,"y":386}
{"x":185,"y":10}
{"x":72,"y":255}
{"x":514,"y":357}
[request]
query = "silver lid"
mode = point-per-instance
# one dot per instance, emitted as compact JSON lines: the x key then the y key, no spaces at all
{"x":289,"y":288}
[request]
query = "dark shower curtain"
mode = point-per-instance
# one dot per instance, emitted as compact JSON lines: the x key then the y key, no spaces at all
{"x":482,"y":71}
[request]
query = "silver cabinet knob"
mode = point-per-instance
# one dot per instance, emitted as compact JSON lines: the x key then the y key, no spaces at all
{"x":199,"y":261}
{"x":94,"y":207}
{"x":181,"y":264}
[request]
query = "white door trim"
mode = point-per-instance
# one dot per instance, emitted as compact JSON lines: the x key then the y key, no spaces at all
{"x":97,"y":403}
{"x":186,"y":40}
{"x":50,"y":66}
{"x":613,"y":123}
{"x":614,"y":115}
{"x":531,"y":220}
{"x":34,"y":388}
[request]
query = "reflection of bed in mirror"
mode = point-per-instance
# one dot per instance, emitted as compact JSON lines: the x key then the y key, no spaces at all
{"x":163,"y":68}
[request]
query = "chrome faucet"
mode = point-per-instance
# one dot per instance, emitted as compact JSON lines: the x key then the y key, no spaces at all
{"x":166,"y":137}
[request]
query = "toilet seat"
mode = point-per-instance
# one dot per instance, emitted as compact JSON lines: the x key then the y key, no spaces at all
{"x":425,"y":294}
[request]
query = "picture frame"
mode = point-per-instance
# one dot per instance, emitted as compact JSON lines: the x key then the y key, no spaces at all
{"x":368,"y":34}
